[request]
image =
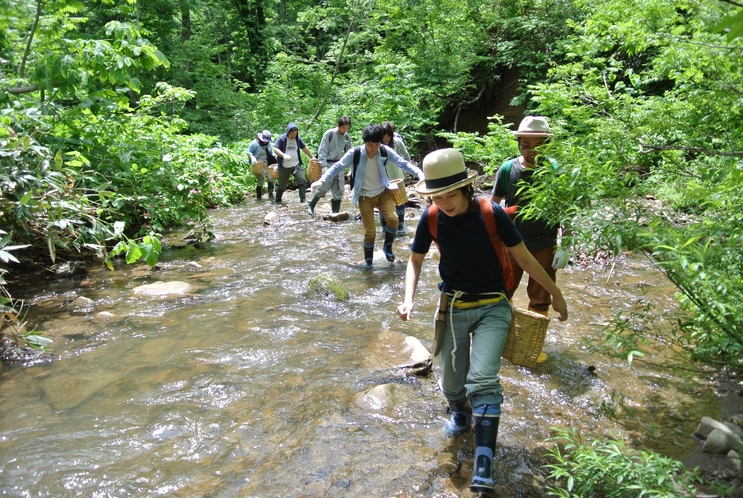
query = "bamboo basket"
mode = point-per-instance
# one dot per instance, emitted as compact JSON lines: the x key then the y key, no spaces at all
{"x":314,"y":170}
{"x":257,"y":167}
{"x":274,"y":169}
{"x":525,"y":337}
{"x":399,"y":194}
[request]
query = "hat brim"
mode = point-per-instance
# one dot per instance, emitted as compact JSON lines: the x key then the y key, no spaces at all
{"x":538,"y":134}
{"x":420,"y":187}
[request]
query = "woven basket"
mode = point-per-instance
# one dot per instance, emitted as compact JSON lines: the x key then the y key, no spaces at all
{"x":314,"y":170}
{"x":399,"y":194}
{"x":274,"y":169}
{"x":525,"y":338}
{"x":257,"y":167}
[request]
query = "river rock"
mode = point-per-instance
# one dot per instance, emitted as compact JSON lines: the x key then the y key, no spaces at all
{"x":420,"y":358}
{"x":69,"y":269}
{"x":720,"y":437}
{"x":271,"y":218}
{"x":82,"y":304}
{"x":336,"y":217}
{"x":379,"y":398}
{"x":395,"y":351}
{"x":734,"y":458}
{"x":708,"y":424}
{"x":104,"y":316}
{"x":163,"y":289}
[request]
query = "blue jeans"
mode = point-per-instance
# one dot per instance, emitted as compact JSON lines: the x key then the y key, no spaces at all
{"x":475,"y":375}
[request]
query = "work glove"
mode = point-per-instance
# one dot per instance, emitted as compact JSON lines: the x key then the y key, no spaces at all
{"x":315,"y":186}
{"x":560,"y":260}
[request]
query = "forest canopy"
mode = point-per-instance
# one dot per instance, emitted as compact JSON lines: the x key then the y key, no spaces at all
{"x":120,"y":119}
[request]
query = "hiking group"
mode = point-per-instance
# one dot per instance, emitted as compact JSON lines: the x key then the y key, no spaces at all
{"x":484,"y":251}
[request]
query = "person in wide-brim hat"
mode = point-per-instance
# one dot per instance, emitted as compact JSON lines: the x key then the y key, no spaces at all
{"x":533,"y":126}
{"x":476,"y":240}
{"x":444,"y":171}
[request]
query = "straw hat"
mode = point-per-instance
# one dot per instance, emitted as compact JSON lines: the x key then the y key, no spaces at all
{"x":533,"y":126}
{"x":264,"y":136}
{"x":444,"y":171}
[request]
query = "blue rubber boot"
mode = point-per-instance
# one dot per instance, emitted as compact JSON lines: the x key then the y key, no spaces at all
{"x":461,"y":418}
{"x":487,"y":418}
{"x":382,"y":223}
{"x":389,"y":238}
{"x":368,"y":255}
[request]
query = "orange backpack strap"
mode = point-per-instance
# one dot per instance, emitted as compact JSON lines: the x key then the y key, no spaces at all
{"x":433,"y":223}
{"x":486,"y":208}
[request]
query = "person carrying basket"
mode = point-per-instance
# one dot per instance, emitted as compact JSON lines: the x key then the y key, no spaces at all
{"x":262,"y":158}
{"x":290,"y":143}
{"x":474,"y":306}
{"x":334,"y":144}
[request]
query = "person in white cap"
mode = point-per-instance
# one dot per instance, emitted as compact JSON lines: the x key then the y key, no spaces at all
{"x":540,"y":237}
{"x":261,"y":149}
{"x":478,"y":314}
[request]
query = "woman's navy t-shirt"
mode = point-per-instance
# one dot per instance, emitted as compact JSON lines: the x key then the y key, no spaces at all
{"x":468,"y":260}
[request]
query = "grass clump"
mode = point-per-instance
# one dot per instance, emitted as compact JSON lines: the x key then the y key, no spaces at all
{"x":328,"y":285}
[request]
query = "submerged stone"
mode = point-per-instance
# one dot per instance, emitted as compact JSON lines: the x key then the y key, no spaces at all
{"x":163,"y":289}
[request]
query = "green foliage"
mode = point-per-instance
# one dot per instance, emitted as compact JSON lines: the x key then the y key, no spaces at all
{"x":91,"y":170}
{"x":490,"y":150}
{"x":648,"y":104}
{"x":629,"y":332}
{"x":37,"y":341}
{"x":609,"y":469}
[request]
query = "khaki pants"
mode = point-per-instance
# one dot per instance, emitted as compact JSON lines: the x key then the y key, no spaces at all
{"x":539,"y":298}
{"x":386,"y":206}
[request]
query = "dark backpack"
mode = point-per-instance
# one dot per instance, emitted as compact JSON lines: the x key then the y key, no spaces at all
{"x":357,"y":158}
{"x":486,"y":208}
{"x":505,"y":178}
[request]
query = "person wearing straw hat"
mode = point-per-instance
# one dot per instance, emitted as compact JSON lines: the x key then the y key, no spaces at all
{"x":392,"y":140}
{"x":478,"y":314}
{"x":370,"y":187}
{"x":261,"y":149}
{"x":540,"y":237}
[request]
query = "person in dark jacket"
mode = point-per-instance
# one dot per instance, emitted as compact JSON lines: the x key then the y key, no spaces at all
{"x":476,"y":308}
{"x":290,"y":143}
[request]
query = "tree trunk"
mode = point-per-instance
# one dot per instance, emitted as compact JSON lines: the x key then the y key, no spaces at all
{"x":335,"y":70}
{"x":22,"y":70}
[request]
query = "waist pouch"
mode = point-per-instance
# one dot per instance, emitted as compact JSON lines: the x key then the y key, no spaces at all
{"x":440,"y":324}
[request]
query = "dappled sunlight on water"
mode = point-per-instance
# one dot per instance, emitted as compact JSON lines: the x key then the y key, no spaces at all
{"x":249,"y":385}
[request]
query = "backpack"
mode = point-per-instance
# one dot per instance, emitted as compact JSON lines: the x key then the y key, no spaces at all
{"x":505,"y":179}
{"x":357,"y":158}
{"x":505,"y":176}
{"x":486,"y":208}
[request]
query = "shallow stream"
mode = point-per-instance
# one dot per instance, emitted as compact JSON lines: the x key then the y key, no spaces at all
{"x":248,"y":386}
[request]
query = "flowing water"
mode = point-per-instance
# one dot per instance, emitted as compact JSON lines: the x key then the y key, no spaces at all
{"x":249,"y":386}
